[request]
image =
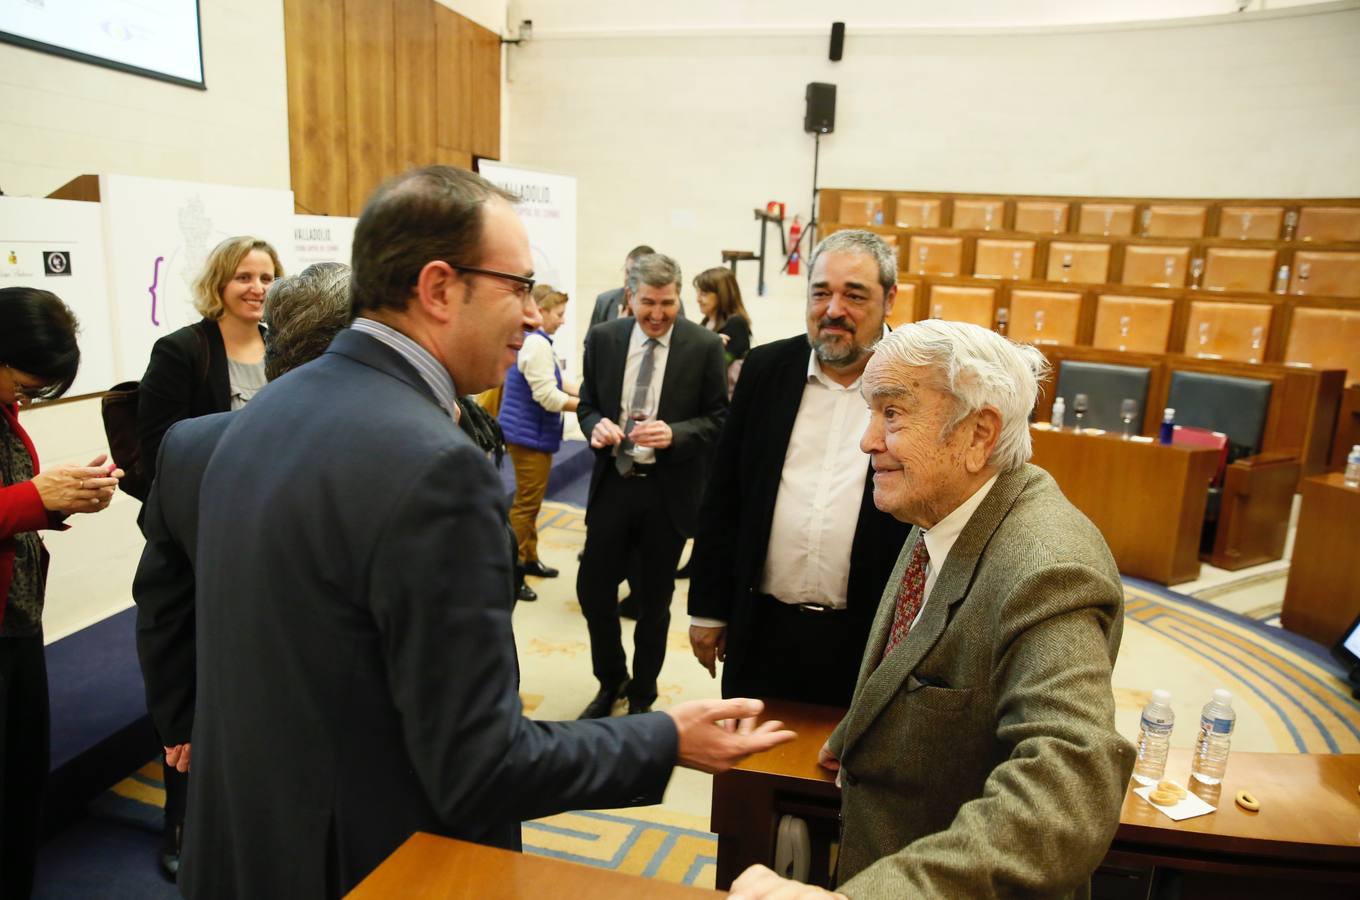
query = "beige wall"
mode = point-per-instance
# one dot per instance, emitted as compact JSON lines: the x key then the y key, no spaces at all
{"x":675,"y":139}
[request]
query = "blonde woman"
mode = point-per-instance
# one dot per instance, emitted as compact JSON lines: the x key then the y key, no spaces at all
{"x":216,"y":364}
{"x":531,"y":410}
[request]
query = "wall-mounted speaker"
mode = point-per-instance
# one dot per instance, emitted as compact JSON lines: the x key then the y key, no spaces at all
{"x":821,"y":108}
{"x":837,"y":40}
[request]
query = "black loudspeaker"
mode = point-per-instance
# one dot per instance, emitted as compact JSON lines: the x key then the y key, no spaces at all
{"x":821,"y":108}
{"x":837,"y":40}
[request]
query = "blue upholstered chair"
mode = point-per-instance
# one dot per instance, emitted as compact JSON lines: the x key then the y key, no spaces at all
{"x":1106,"y":386}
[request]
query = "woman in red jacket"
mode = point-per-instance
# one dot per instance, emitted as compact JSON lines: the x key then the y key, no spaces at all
{"x":38,"y":360}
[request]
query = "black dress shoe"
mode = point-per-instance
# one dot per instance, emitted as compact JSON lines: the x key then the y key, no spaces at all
{"x":628,"y":607}
{"x":536,"y":568}
{"x":169,"y":858}
{"x":526,"y":594}
{"x":683,"y":571}
{"x":603,"y":704}
{"x":634,"y":708}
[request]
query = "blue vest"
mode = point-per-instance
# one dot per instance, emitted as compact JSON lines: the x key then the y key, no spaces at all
{"x":523,"y":420}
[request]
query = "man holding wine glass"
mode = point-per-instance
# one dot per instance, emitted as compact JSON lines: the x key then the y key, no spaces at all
{"x":653,"y":399}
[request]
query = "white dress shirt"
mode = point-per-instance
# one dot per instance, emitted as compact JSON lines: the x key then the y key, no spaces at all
{"x":940,"y":539}
{"x":539,"y":369}
{"x":636,"y":348}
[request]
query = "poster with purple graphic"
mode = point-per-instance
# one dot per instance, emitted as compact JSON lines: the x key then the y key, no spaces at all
{"x":58,"y":245}
{"x":157,"y":235}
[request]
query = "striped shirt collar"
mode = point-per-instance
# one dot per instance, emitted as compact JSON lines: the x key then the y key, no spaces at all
{"x":436,"y":376}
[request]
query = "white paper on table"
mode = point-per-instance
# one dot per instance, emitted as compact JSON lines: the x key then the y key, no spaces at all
{"x":1187,"y":808}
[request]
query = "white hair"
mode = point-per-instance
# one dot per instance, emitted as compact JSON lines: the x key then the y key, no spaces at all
{"x":978,"y":368}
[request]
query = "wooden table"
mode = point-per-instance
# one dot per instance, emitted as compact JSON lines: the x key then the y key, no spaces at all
{"x":439,"y":868}
{"x":1147,"y":499}
{"x":1322,"y":596}
{"x":1308,"y":828}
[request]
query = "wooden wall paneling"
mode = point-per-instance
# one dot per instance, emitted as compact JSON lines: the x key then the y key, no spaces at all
{"x":370,"y":96}
{"x":314,"y":50}
{"x":445,"y":156}
{"x":486,"y":96}
{"x":454,"y":70}
{"x":417,"y":97}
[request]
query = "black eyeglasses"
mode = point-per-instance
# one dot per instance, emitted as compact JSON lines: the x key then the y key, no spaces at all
{"x":526,"y":284}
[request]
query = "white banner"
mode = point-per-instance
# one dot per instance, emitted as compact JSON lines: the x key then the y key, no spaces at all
{"x":318,"y":239}
{"x":157,"y":235}
{"x":548,"y":210}
{"x":58,"y":245}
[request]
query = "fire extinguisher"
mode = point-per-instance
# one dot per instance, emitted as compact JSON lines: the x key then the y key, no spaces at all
{"x":795,"y":237}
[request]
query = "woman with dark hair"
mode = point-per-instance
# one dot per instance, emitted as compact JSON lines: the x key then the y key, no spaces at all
{"x":216,"y":364}
{"x":38,"y":361}
{"x":719,"y":299}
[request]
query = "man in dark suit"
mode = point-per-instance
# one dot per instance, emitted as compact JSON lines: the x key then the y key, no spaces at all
{"x":979,"y":757}
{"x":653,"y":398}
{"x":613,"y":303}
{"x":302,"y":312}
{"x":357,"y":679}
{"x":791,"y":555}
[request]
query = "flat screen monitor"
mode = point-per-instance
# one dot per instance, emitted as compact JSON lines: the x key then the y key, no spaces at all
{"x":156,"y":38}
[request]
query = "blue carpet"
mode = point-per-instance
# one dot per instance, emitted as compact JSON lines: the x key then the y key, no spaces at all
{"x":565,"y":481}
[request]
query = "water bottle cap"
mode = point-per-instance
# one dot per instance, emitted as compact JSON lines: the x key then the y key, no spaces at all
{"x":1162,"y":697}
{"x":1355,"y":450}
{"x":1223,"y":696}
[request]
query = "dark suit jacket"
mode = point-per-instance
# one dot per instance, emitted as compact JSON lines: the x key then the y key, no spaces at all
{"x":163,"y":587}
{"x":980,"y":758}
{"x":357,"y":678}
{"x":738,"y":511}
{"x":185,"y":378}
{"x":693,"y":403}
{"x":606,"y":307}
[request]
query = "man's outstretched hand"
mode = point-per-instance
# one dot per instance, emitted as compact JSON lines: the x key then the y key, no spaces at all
{"x":715,"y":735}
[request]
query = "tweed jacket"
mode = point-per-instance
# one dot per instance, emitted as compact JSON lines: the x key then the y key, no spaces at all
{"x":980,"y":759}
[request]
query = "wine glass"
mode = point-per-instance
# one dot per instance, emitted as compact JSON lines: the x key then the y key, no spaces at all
{"x":1168,"y":267}
{"x":1147,"y":222}
{"x":1246,"y":225}
{"x":1058,"y":220}
{"x":937,"y":311}
{"x":1291,"y":220}
{"x":1196,"y":270}
{"x":1204,"y":330}
{"x":1003,"y":317}
{"x":1038,"y":326}
{"x":640,"y":409}
{"x":1305,"y":269}
{"x":1125,"y":323}
{"x":1128,"y":411}
{"x":987,"y":217}
{"x":1080,"y":404}
{"x":921,"y":255}
{"x":1066,"y":266}
{"x":1016,"y":257}
{"x":1109,"y":219}
{"x":1257,"y":339}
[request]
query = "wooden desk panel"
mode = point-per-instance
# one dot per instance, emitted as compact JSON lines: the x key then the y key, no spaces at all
{"x":1347,"y":428}
{"x":1322,"y":596}
{"x":428,"y":867}
{"x":1308,"y":828}
{"x":1146,"y":499}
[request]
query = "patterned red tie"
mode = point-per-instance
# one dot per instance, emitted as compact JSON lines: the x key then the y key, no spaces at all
{"x":909,"y":596}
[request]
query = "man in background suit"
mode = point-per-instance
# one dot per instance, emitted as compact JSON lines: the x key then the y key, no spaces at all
{"x":357,"y":679}
{"x":614,"y":302}
{"x":979,"y":756}
{"x":302,"y":312}
{"x":791,"y":555}
{"x":653,"y":399}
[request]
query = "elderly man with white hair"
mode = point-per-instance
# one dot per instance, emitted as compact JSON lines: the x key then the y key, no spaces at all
{"x":979,"y":756}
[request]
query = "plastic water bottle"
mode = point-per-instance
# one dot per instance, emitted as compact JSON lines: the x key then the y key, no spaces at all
{"x":1353,"y":467}
{"x":1154,"y":738}
{"x":1059,"y":409}
{"x":1168,"y":426}
{"x":1282,"y":279}
{"x":1216,"y":723}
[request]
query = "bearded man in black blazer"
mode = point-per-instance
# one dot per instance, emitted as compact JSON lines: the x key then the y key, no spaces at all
{"x":357,"y":678}
{"x":653,"y":399}
{"x":791,"y":555}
